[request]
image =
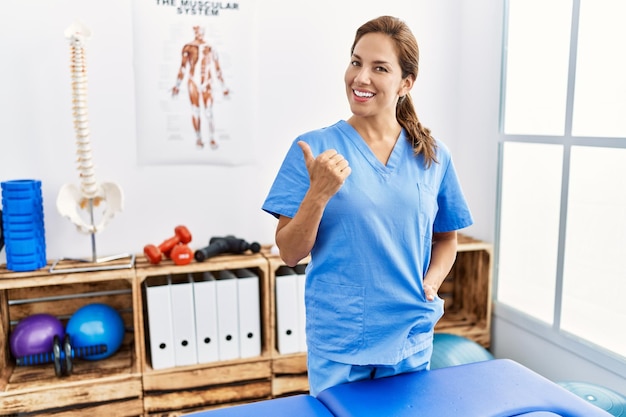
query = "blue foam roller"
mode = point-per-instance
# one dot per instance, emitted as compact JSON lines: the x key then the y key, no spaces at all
{"x":27,"y":185}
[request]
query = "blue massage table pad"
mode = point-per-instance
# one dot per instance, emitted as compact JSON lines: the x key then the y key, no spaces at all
{"x":294,"y":406}
{"x":493,"y":388}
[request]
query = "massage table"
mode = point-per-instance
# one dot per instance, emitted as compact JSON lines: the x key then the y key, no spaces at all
{"x":493,"y":388}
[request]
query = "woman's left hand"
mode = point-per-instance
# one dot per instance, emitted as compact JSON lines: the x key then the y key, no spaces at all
{"x":430,"y":291}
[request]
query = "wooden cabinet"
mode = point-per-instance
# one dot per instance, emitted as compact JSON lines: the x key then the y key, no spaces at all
{"x":289,"y":371}
{"x":467,"y":292}
{"x":125,"y":384}
{"x":209,"y":384}
{"x":112,"y":386}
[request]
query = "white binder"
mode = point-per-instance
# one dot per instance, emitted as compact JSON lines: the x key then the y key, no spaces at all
{"x":205,"y":304}
{"x":287,"y":327}
{"x":300,"y":270}
{"x":183,"y":320}
{"x":158,"y":303}
{"x":249,"y":313}
{"x":227,"y":315}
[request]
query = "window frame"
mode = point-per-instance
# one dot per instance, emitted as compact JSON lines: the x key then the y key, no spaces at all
{"x":552,"y":332}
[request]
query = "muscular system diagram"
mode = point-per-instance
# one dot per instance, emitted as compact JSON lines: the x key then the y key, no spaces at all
{"x":200,"y":65}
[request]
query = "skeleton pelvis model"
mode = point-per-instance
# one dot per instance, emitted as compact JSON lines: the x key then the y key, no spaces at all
{"x":78,"y":203}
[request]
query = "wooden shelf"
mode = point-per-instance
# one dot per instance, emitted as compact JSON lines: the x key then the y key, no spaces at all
{"x":467,"y":293}
{"x":289,"y":375}
{"x":208,"y":384}
{"x":111,"y":385}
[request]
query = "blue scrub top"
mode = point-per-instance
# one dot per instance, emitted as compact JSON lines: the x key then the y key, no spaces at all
{"x":365,"y":302}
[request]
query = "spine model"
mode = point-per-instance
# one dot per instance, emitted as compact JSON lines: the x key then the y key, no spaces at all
{"x":88,"y":186}
{"x":72,"y":199}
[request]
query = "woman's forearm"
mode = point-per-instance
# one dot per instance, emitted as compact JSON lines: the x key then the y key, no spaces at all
{"x":296,"y":236}
{"x":441,"y":262}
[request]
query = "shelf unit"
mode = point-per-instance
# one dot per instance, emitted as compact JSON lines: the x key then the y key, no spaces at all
{"x":467,"y":292}
{"x":207,"y":385}
{"x":107,"y":387}
{"x":289,"y":371}
{"x":125,"y":384}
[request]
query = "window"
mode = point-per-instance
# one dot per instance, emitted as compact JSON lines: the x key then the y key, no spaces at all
{"x":537,"y":65}
{"x":562,"y":203}
{"x":531,"y":199}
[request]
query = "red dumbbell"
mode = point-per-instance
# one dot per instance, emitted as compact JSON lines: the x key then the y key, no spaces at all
{"x":181,"y":238}
{"x":181,"y":254}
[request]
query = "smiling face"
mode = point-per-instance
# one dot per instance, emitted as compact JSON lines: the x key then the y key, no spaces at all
{"x":374,"y":77}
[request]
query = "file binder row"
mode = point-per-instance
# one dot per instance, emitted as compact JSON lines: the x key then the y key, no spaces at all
{"x":203,"y":317}
{"x":290,"y":312}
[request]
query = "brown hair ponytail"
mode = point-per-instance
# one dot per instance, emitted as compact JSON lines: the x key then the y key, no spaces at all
{"x":420,"y":137}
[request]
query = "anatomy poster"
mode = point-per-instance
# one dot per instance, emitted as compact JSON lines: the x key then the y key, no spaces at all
{"x":194,"y":81}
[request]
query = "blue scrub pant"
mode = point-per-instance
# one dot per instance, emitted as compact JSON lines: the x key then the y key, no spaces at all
{"x":324,"y":373}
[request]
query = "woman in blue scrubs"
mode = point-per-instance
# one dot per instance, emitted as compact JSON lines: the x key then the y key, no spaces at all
{"x":376,"y":202}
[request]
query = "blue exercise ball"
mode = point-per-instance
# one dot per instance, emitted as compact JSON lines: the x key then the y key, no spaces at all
{"x":452,"y":350}
{"x":96,"y":324}
{"x":602,"y":397}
